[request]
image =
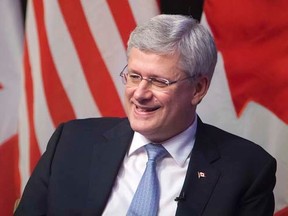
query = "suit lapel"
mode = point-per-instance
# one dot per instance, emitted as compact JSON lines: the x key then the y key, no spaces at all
{"x":201,"y":177}
{"x":106,"y":162}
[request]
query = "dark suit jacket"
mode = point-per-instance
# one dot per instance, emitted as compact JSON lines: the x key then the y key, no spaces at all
{"x":77,"y":172}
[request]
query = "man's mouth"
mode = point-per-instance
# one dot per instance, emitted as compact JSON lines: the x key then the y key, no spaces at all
{"x":146,"y":109}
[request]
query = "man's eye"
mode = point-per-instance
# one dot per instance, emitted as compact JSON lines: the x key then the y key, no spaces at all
{"x":134,"y":77}
{"x":160,"y":82}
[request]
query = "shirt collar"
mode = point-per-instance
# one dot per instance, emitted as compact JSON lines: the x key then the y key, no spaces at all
{"x":179,"y":147}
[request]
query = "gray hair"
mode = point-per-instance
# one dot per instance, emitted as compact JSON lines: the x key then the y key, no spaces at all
{"x":177,"y":35}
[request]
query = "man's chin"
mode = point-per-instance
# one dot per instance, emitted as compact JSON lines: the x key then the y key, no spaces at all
{"x":142,"y":128}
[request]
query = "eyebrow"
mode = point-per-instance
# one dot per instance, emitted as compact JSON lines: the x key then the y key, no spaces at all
{"x":150,"y":76}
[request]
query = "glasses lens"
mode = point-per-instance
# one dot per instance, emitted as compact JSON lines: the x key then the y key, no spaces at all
{"x":159,"y":82}
{"x":133,"y":79}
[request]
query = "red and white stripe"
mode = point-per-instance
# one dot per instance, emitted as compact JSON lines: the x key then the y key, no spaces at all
{"x":73,"y":54}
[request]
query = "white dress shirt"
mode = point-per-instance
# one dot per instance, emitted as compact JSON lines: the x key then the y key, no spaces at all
{"x":171,"y":173}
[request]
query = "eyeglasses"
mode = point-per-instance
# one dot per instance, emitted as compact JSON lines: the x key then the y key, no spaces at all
{"x":134,"y":79}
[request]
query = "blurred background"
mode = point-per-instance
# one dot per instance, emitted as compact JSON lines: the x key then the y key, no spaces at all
{"x":61,"y":59}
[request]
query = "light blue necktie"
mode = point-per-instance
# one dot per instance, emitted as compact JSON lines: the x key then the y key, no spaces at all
{"x":146,"y":198}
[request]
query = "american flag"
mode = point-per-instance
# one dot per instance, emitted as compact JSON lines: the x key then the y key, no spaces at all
{"x":73,"y":55}
{"x":67,"y":66}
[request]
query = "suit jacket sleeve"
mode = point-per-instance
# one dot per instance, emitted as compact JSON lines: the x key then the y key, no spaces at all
{"x":34,"y":199}
{"x":259,"y":199}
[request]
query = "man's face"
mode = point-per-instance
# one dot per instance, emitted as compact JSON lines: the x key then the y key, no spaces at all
{"x":158,"y":114}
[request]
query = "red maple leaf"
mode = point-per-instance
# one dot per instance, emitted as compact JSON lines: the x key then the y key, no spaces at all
{"x":253,"y":39}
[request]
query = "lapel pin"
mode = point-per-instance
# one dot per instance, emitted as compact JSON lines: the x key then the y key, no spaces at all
{"x":201,"y":175}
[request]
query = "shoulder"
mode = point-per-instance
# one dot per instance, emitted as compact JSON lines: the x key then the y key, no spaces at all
{"x":84,"y":130}
{"x":99,"y":124}
{"x":81,"y":135}
{"x":233,"y":146}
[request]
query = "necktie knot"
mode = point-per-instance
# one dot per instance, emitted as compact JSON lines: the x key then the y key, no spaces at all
{"x":155,"y":151}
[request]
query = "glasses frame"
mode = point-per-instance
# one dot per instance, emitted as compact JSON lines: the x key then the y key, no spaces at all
{"x":151,"y":80}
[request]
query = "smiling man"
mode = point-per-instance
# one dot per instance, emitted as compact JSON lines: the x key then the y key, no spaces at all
{"x":161,"y":160}
{"x":157,"y":112}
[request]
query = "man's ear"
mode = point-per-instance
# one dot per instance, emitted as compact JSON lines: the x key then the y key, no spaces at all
{"x":201,"y":86}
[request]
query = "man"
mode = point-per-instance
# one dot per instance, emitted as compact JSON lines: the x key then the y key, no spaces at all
{"x":96,"y":166}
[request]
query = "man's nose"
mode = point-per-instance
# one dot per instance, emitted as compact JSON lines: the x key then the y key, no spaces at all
{"x":143,"y":90}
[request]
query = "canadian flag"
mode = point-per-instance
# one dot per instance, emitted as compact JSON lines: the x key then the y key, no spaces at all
{"x":249,"y":92}
{"x":11,"y":35}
